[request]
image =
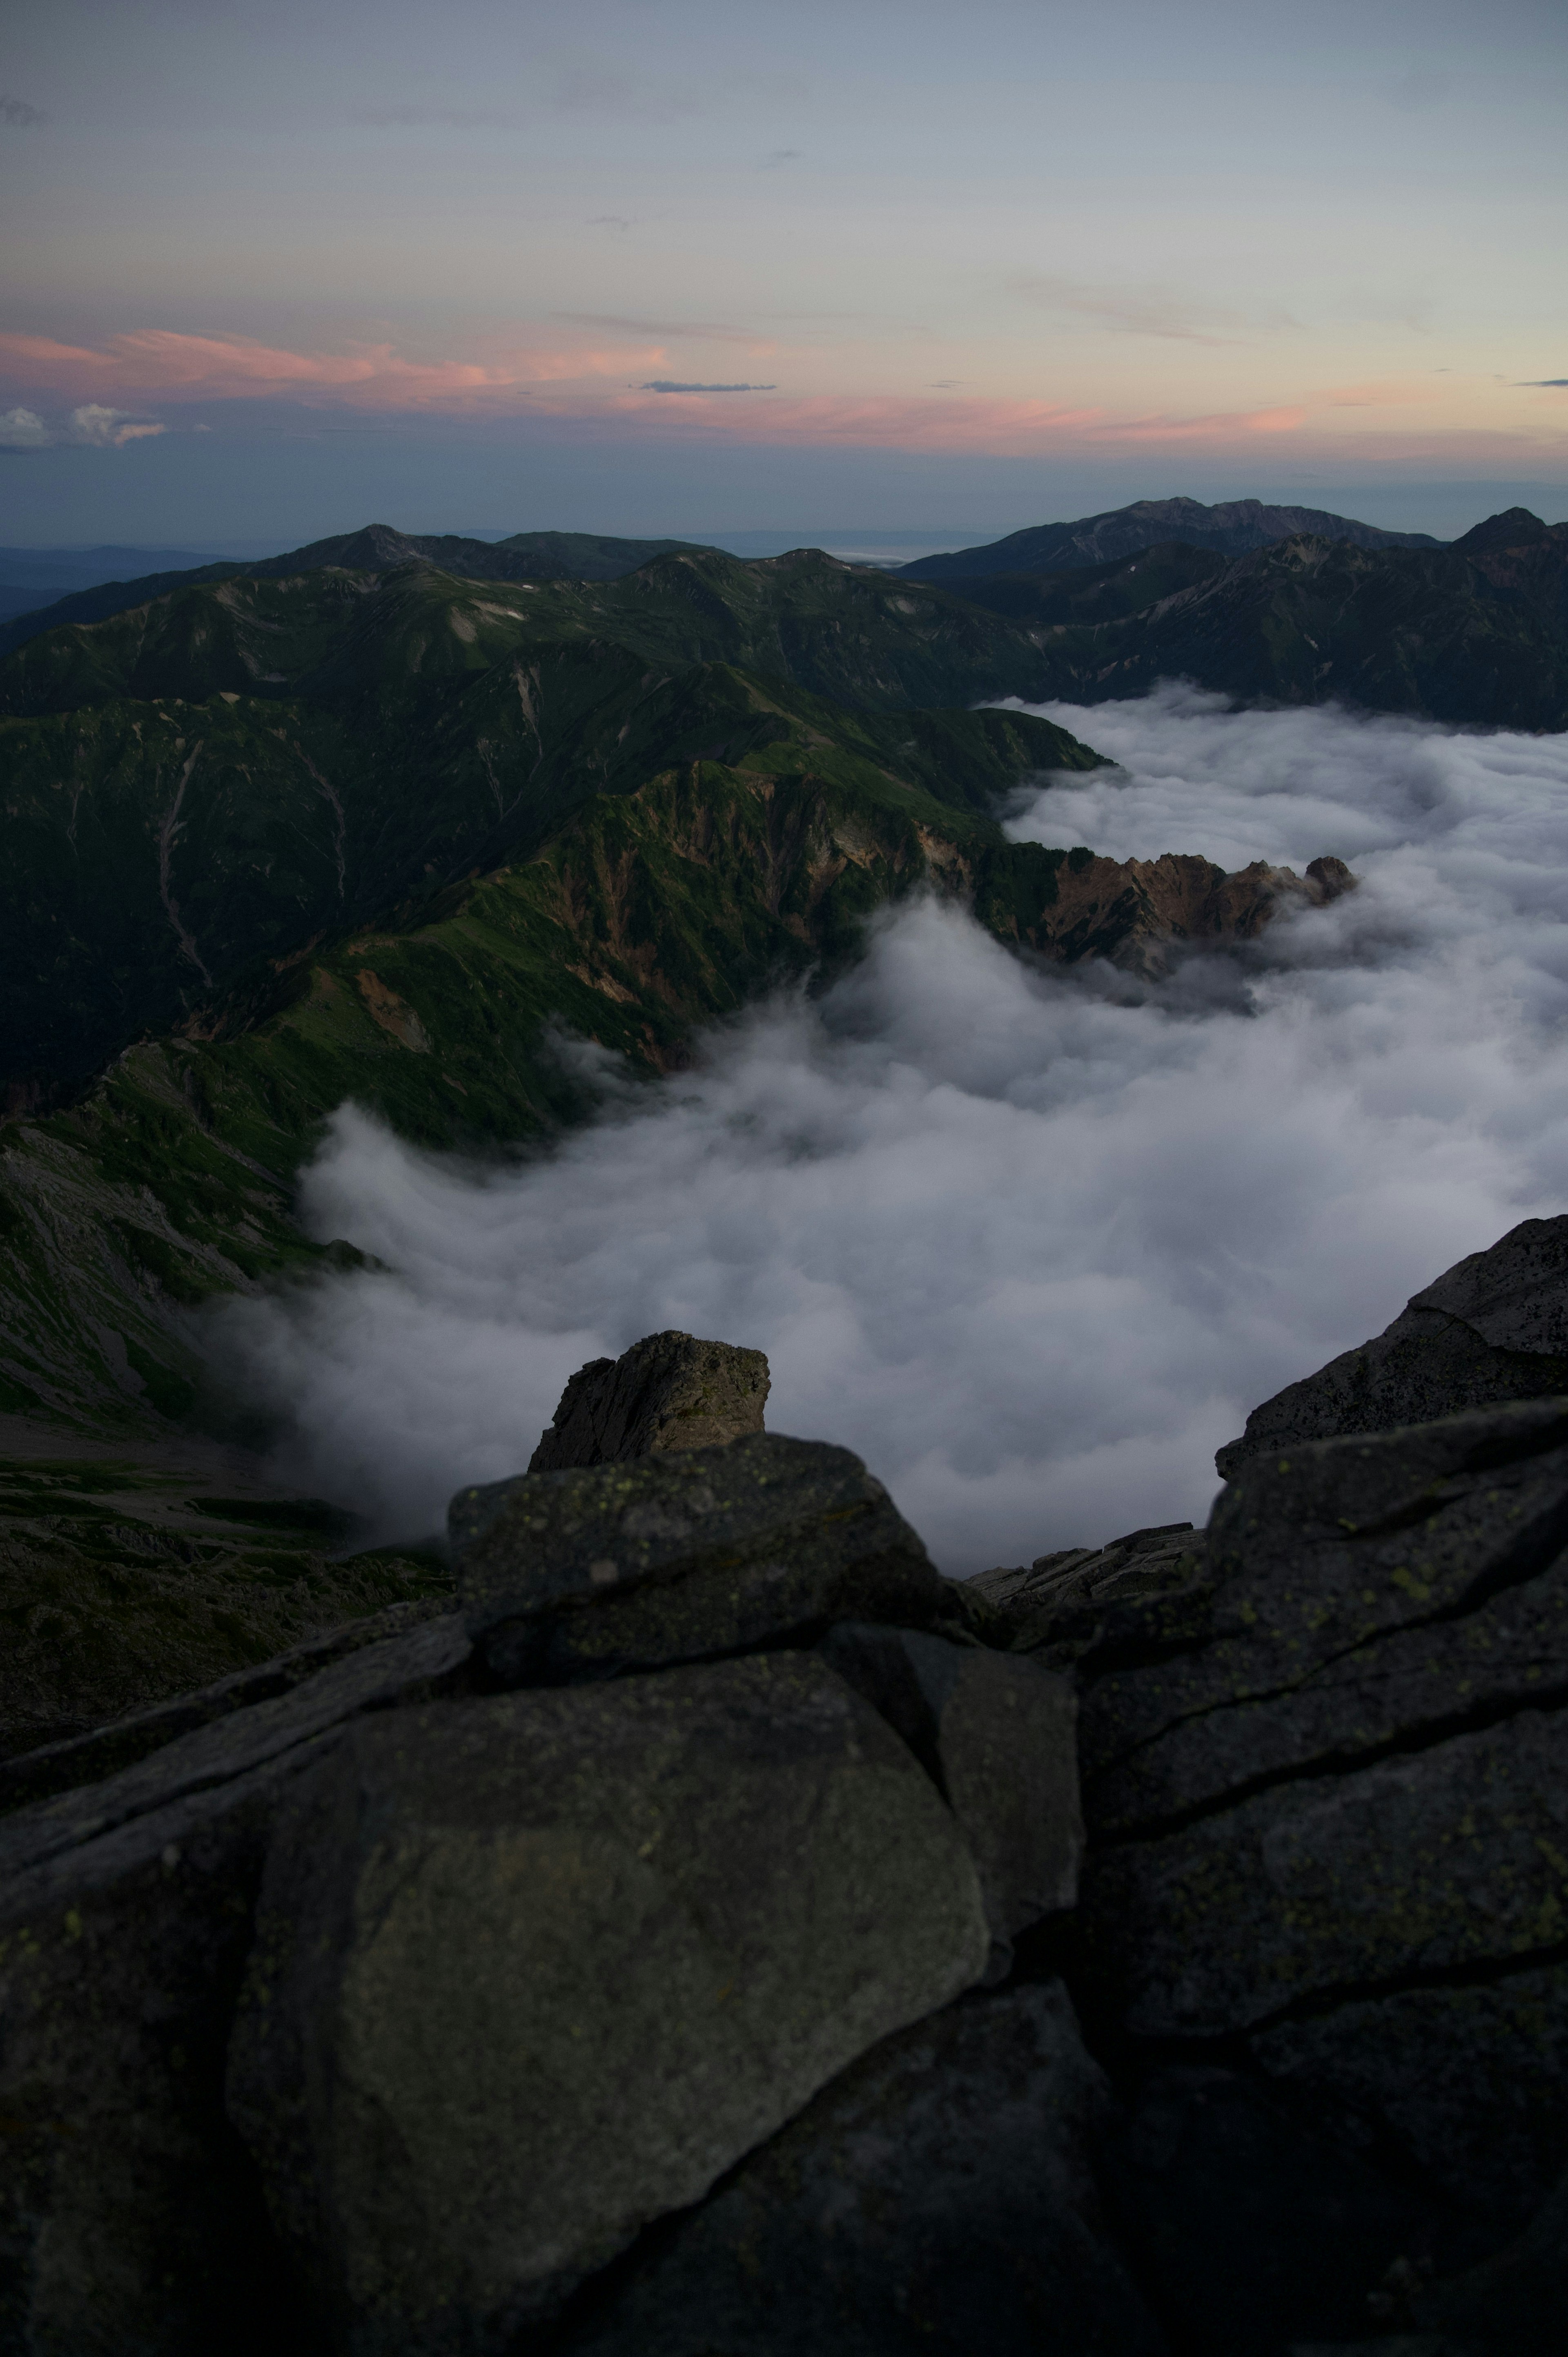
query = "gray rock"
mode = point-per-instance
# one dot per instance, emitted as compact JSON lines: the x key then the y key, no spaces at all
{"x":683,"y":1556}
{"x":1452,"y":1858}
{"x":1470,"y":2078}
{"x":534,"y":1970}
{"x":1358,"y":1594}
{"x":128,"y":2220}
{"x":1142,"y":1564}
{"x":128,"y":2223}
{"x":1493,"y":1328}
{"x":997,"y":1735}
{"x":1327,"y":1792}
{"x":669,"y":1390}
{"x":937,"y":2200}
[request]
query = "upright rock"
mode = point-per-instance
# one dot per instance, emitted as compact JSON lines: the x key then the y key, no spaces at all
{"x":1493,"y":1328}
{"x":669,"y":1390}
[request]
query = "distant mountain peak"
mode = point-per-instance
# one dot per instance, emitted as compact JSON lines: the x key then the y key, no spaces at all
{"x":1511,"y":528}
{"x":1230,"y":528}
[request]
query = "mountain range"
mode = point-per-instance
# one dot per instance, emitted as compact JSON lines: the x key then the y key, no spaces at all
{"x":291,"y":837}
{"x":385,"y":819}
{"x":1231,"y":528}
{"x":1475,"y":633}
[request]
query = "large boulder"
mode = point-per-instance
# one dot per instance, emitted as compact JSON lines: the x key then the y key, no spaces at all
{"x":669,"y":1390}
{"x":678,"y":1557}
{"x":939,"y":2199}
{"x":1493,"y":1328}
{"x":129,"y":2222}
{"x":997,"y":1737}
{"x":1327,"y":1792}
{"x":534,"y":1970}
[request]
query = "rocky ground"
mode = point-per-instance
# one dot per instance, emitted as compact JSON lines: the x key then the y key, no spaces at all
{"x":713,"y":1933}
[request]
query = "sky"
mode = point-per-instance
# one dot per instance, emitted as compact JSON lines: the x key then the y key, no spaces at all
{"x":1031,"y":1240}
{"x":675,"y":267}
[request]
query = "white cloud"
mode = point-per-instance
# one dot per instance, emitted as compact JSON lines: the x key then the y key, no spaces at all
{"x":107,"y":429}
{"x":1032,"y":1242}
{"x":23,"y":430}
{"x":92,"y":426}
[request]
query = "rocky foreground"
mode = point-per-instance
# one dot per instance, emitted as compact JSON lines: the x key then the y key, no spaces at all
{"x":720,"y":1935}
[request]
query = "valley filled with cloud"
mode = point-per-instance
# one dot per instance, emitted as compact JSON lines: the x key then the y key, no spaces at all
{"x":1032,"y":1243}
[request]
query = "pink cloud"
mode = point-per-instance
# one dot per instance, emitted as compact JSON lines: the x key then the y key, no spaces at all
{"x":159,"y":362}
{"x":564,"y":380}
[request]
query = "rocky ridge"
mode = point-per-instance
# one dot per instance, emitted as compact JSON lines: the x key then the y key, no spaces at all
{"x":715,"y":1930}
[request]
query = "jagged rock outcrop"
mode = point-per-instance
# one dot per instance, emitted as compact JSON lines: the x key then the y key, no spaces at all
{"x":1325,"y":1787}
{"x":1493,"y":1328}
{"x":669,"y":1390}
{"x":473,"y":1984}
{"x":695,"y":1940}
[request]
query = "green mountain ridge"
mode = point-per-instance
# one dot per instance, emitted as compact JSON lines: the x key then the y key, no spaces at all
{"x":284,"y":841}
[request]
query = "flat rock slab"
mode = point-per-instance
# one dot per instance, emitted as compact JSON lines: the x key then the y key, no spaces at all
{"x":681,"y":1556}
{"x":534,"y":1970}
{"x":669,"y":1390}
{"x":937,"y":2201}
{"x":998,"y":1736}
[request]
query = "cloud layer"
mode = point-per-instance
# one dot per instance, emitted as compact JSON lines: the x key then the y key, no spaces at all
{"x":1032,"y":1243}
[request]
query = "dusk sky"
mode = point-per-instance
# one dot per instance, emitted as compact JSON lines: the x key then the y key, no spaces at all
{"x":665,"y":265}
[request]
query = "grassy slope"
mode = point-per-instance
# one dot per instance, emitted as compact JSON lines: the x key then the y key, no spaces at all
{"x":232,"y":771}
{"x":430,"y":823}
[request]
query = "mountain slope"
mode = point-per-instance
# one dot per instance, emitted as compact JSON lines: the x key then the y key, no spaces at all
{"x":1229,"y":529}
{"x":376,"y":548}
{"x":432,"y":830}
{"x":218,"y":778}
{"x":1475,"y":633}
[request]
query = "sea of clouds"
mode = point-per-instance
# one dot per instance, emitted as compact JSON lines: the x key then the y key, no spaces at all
{"x":1031,"y":1240}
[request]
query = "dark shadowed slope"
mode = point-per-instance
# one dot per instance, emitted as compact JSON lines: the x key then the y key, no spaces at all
{"x":376,"y":548}
{"x":1229,"y":529}
{"x":1475,"y":633}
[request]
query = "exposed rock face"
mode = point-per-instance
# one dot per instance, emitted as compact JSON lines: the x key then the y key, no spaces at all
{"x":1327,"y":1792}
{"x":1037,"y":1601}
{"x":684,"y":1902}
{"x":941,"y":2195}
{"x":126,"y":2218}
{"x":669,"y":1390}
{"x":651,"y":1917}
{"x":997,"y":1737}
{"x":681,"y":1555}
{"x":603,"y":1967}
{"x":1493,"y":1328}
